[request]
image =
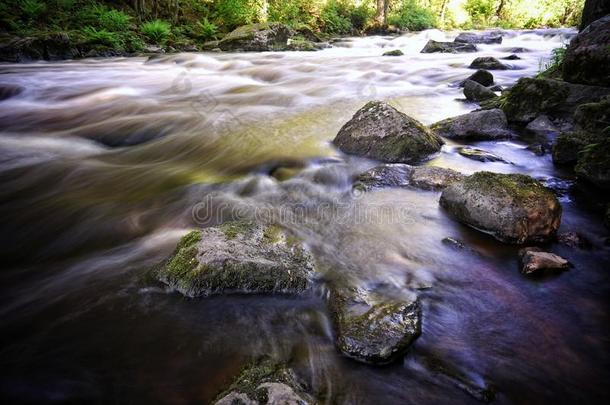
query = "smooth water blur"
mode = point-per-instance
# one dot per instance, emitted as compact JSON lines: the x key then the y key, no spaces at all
{"x":104,"y":164}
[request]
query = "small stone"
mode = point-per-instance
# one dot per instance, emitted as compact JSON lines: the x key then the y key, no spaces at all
{"x":479,"y":154}
{"x":476,"y":125}
{"x":484,"y":38}
{"x":476,"y":92}
{"x":481,"y":76}
{"x":396,"y":52}
{"x":534,"y":260}
{"x":448,"y":47}
{"x":512,"y":57}
{"x":488,"y":63}
{"x":541,"y":126}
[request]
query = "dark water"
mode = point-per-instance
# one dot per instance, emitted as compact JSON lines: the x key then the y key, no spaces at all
{"x":104,"y":164}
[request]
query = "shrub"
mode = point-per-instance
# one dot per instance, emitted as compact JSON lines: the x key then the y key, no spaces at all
{"x":32,"y":9}
{"x":206,"y":29}
{"x":156,"y":31}
{"x":114,"y":20}
{"x":359,"y":16}
{"x":334,"y":18}
{"x":294,"y":12}
{"x":413,"y":17}
{"x":480,"y":11}
{"x":554,"y":66}
{"x":102,"y":37}
{"x":233,"y":13}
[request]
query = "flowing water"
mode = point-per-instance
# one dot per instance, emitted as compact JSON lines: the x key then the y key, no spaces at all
{"x":106,"y":163}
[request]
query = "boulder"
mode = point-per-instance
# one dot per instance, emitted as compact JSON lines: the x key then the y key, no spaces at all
{"x":593,"y":117}
{"x":488,"y":63}
{"x":541,"y":126}
{"x":592,"y":11}
{"x":534,"y":260}
{"x":593,"y":163}
{"x":512,"y":57}
{"x":514,"y":208}
{"x":484,"y":38}
{"x":483,"y":125}
{"x":568,"y":145}
{"x":405,"y":176}
{"x":372,"y":329}
{"x":395,"y":52}
{"x":238,"y":256}
{"x":8,"y":90}
{"x":588,"y":55}
{"x":477,"y":92}
{"x":257,"y":38}
{"x":530,"y":97}
{"x":479,"y":154}
{"x":448,"y":47}
{"x":574,"y":240}
{"x":379,"y":131}
{"x":265,"y":382}
{"x":303,"y":45}
{"x":481,"y":76}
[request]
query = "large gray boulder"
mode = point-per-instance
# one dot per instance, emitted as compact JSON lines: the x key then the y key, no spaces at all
{"x":488,"y":63}
{"x":588,"y":56}
{"x":257,"y":38}
{"x":238,"y":256}
{"x":477,"y":92}
{"x":514,"y":208}
{"x":404,"y":176}
{"x":483,"y":125}
{"x":373,"y":329}
{"x":481,"y":76}
{"x":379,"y":131}
{"x":483,"y":38}
{"x":448,"y":47}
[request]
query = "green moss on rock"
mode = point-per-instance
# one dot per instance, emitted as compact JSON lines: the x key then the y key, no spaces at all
{"x":531,"y":97}
{"x":594,"y":163}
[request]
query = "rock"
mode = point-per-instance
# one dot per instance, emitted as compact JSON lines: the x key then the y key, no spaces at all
{"x":300,"y":44}
{"x":308,"y":34}
{"x":153,"y":49}
{"x":21,"y":50}
{"x":567,"y":146}
{"x":514,"y":208}
{"x":8,"y":90}
{"x":476,"y":92}
{"x":484,"y":38}
{"x":515,"y":50}
{"x":483,"y":77}
{"x":484,"y":125}
{"x":588,"y":55}
{"x":238,"y":256}
{"x":593,"y":117}
{"x":592,"y":11}
{"x":448,"y":47}
{"x":533,"y":260}
{"x":379,"y":131}
{"x":265,"y":382}
{"x":405,"y":176}
{"x":529,"y":98}
{"x":479,"y":154}
{"x":537,"y":149}
{"x":488,"y":63}
{"x":541,"y":126}
{"x":395,"y":52}
{"x":257,"y":38}
{"x":496,"y":88}
{"x":512,"y":57}
{"x":574,"y":240}
{"x":373,"y":330}
{"x":593,"y":163}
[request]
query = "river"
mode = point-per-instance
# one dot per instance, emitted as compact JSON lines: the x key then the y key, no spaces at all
{"x":106,"y":163}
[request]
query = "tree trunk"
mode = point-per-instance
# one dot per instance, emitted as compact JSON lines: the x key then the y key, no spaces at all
{"x":443,"y":10}
{"x":594,"y":10}
{"x":500,"y":8}
{"x":382,"y":12}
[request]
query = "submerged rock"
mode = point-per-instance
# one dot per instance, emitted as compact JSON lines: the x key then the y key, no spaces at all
{"x":484,"y":38}
{"x":373,"y":330}
{"x":479,"y":154}
{"x":8,"y":90}
{"x":587,"y":58}
{"x":265,"y":382}
{"x":238,"y":256}
{"x":477,"y":92}
{"x":514,"y":208}
{"x":488,"y":63}
{"x":534,"y":260}
{"x":379,"y":131}
{"x":481,"y":76}
{"x":512,"y":57}
{"x":405,"y":176}
{"x":574,"y":240}
{"x":395,"y":52}
{"x":484,"y":125}
{"x":448,"y":47}
{"x":257,"y":38}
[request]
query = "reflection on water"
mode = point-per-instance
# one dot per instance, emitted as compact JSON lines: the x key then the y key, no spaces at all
{"x":103,"y":161}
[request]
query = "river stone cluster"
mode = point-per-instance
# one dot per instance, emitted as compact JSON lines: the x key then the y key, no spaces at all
{"x":379,"y":131}
{"x":514,"y":208}
{"x":238,"y":256}
{"x":406,"y":176}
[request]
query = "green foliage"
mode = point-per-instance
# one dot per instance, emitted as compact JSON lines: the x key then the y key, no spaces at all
{"x":102,"y":37}
{"x":233,"y":13}
{"x":114,"y":20}
{"x":413,"y":17}
{"x":293,"y":13}
{"x":157,"y":31}
{"x":361,"y":15}
{"x":335,"y":19}
{"x":32,"y":9}
{"x":206,"y":30}
{"x":480,"y":11}
{"x":554,"y":66}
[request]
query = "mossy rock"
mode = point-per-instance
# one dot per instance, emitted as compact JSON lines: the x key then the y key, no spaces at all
{"x":514,"y":208}
{"x":588,"y":55}
{"x":531,"y":97}
{"x":373,"y":329}
{"x":257,"y":38}
{"x":395,"y":52}
{"x":568,"y":145}
{"x":379,"y":131}
{"x":241,"y":257}
{"x":265,"y":381}
{"x":593,"y":117}
{"x":405,"y":176}
{"x":484,"y":125}
{"x":448,"y":47}
{"x":594,"y":163}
